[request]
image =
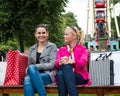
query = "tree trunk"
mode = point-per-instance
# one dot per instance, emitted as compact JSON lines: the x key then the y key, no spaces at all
{"x":21,"y":42}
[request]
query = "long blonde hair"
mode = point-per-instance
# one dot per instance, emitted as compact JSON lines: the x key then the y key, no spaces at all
{"x":82,"y":38}
{"x":79,"y":33}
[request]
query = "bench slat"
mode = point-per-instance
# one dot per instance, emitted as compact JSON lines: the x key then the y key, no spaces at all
{"x":98,"y":90}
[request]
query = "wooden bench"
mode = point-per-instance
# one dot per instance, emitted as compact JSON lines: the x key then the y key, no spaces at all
{"x":98,"y":90}
{"x":52,"y":89}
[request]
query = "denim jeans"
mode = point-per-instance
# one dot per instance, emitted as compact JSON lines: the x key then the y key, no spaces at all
{"x":67,"y":80}
{"x":35,"y":81}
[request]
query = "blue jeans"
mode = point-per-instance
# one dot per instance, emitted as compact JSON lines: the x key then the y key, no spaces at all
{"x":67,"y":80}
{"x":35,"y":81}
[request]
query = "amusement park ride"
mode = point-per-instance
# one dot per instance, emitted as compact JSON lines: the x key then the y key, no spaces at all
{"x":101,"y":26}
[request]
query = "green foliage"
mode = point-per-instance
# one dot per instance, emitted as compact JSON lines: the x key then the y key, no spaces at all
{"x":3,"y":15}
{"x":113,"y":27}
{"x":10,"y":45}
{"x":66,"y":19}
{"x":114,"y":1}
{"x":69,"y":19}
{"x":24,"y":15}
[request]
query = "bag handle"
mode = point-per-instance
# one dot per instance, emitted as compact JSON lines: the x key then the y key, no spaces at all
{"x":103,"y":56}
{"x":108,"y":55}
{"x":2,"y":58}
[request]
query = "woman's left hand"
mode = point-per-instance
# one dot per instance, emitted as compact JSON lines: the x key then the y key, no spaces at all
{"x":70,"y":61}
{"x":63,"y":60}
{"x":66,"y":60}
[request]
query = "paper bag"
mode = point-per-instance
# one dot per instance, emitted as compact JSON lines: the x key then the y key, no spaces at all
{"x":16,"y":66}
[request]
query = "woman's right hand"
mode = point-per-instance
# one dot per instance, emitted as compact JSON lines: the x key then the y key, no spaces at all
{"x":63,"y":60}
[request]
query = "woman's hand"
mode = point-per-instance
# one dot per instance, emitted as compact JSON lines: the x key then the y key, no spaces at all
{"x":63,"y":60}
{"x":66,"y":60}
{"x":71,"y":61}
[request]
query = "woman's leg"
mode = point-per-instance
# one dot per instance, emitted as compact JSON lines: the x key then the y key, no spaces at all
{"x":46,"y":78}
{"x":62,"y":89}
{"x":79,"y":79}
{"x":70,"y":79}
{"x":28,"y":87}
{"x":36,"y":80}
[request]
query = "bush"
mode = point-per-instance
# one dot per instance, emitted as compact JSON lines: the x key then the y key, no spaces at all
{"x":5,"y":46}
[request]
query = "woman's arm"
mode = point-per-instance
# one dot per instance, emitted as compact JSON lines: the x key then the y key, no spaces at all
{"x":82,"y":60}
{"x":52,"y":57}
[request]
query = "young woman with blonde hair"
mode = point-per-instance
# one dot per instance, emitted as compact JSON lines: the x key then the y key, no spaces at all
{"x":71,"y":62}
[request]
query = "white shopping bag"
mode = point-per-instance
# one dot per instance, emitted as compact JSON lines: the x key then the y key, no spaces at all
{"x":115,"y":57}
{"x":99,"y":70}
{"x":3,"y":66}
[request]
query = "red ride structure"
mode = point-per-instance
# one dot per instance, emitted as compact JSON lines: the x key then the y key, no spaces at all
{"x":100,"y":15}
{"x":100,"y":18}
{"x":100,"y":3}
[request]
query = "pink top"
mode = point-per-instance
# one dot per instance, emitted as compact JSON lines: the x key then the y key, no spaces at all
{"x":80,"y":56}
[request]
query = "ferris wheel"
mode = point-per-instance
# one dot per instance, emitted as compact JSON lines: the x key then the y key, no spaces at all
{"x":99,"y":11}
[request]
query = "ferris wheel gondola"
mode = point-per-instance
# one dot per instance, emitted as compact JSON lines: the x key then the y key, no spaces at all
{"x":100,"y":3}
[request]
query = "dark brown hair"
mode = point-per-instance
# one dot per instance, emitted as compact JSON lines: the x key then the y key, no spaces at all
{"x":41,"y":25}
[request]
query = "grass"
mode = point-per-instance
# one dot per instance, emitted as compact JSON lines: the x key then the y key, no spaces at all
{"x":57,"y":95}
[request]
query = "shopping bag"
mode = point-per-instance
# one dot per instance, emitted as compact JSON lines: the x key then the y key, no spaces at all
{"x":112,"y":72}
{"x":3,"y":65}
{"x":16,"y":66}
{"x":115,"y":57}
{"x":101,"y":70}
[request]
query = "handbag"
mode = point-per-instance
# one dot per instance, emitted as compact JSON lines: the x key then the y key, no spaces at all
{"x":16,"y":66}
{"x":101,"y":70}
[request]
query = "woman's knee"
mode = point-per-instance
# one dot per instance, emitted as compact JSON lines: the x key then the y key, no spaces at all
{"x":27,"y":80}
{"x":31,"y":68}
{"x":59,"y":74}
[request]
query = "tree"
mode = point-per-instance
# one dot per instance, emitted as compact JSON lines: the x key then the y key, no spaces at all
{"x":67,"y":19}
{"x":24,"y":15}
{"x":3,"y":18}
{"x":114,"y":1}
{"x":113,"y":27}
{"x":70,"y":19}
{"x":114,"y":31}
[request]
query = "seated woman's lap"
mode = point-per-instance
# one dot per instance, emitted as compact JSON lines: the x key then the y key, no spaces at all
{"x":46,"y":78}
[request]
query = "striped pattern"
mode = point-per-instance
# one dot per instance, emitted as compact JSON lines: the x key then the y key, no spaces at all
{"x":100,"y":72}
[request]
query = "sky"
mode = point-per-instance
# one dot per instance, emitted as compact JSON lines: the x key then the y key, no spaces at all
{"x":79,"y":8}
